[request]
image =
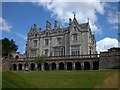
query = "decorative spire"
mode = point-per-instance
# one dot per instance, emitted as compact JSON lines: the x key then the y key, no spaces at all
{"x":74,"y":14}
{"x":35,"y":26}
{"x":88,"y":20}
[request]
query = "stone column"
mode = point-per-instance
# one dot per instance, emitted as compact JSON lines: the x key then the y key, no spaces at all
{"x":57,"y":66}
{"x":82,"y":66}
{"x":23,"y":68}
{"x":29,"y":68}
{"x":36,"y":66}
{"x":65,"y":66}
{"x":42,"y":66}
{"x":17,"y":67}
{"x":91,"y":65}
{"x":73,"y":66}
{"x":50,"y":66}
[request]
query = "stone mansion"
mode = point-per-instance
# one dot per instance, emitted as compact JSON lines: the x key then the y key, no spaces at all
{"x":74,"y":40}
{"x":70,"y":48}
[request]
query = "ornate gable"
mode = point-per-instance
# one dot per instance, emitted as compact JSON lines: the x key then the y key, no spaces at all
{"x":33,"y":31}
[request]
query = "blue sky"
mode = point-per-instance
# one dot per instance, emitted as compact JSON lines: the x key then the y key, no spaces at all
{"x":18,"y":17}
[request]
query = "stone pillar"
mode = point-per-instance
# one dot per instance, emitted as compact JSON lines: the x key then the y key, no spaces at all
{"x":91,"y":65}
{"x":50,"y":66}
{"x":23,"y":68}
{"x":57,"y":66}
{"x":42,"y":66}
{"x":36,"y":67}
{"x":65,"y":66}
{"x":29,"y":68}
{"x":73,"y":66}
{"x":17,"y":67}
{"x":82,"y":66}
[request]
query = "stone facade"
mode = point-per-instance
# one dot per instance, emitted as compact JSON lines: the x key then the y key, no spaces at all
{"x":53,"y":63}
{"x":71,"y":48}
{"x":76,"y":39}
{"x":104,"y":60}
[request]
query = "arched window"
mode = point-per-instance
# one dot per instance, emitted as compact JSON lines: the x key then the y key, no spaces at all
{"x":46,"y":66}
{"x":95,"y":65}
{"x":17,"y":57}
{"x":61,"y":66}
{"x":32,"y":66}
{"x":53,"y":66}
{"x":86,"y":66}
{"x":77,"y":66}
{"x":69,"y":66}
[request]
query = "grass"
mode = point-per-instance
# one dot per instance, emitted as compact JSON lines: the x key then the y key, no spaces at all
{"x":56,"y":79}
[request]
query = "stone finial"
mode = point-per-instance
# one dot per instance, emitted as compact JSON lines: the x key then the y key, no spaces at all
{"x":88,"y":20}
{"x":35,"y":26}
{"x":48,"y":25}
{"x":74,"y":14}
{"x":40,"y":29}
{"x":56,"y":25}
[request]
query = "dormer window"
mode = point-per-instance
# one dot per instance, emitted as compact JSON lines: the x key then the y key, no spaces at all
{"x":35,"y":35}
{"x":46,"y":42}
{"x":74,"y":28}
{"x":35,"y":43}
{"x":59,"y":40}
{"x":74,"y":37}
{"x":47,"y":33}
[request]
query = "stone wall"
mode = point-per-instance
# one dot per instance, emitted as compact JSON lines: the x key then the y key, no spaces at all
{"x":109,"y":60}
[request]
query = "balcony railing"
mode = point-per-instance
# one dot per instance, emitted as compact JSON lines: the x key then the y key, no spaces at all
{"x":67,"y":57}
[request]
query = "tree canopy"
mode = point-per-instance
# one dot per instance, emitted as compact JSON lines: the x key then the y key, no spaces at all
{"x":40,"y":59}
{"x":8,"y":46}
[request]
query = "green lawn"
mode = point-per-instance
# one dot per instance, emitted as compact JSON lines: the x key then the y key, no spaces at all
{"x":55,"y":79}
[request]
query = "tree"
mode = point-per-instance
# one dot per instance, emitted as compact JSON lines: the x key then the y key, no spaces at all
{"x":8,"y":46}
{"x":41,"y":59}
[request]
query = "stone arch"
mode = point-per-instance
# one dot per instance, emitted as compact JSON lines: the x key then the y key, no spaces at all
{"x":46,"y":66}
{"x":53,"y":66}
{"x":77,"y":66}
{"x":14,"y":67}
{"x":39,"y":66}
{"x":86,"y":65}
{"x":69,"y":66}
{"x":26,"y":64}
{"x":95,"y":65}
{"x":61,"y":66}
{"x":19,"y":66}
{"x":16,"y":57}
{"x":32,"y":66}
{"x":11,"y":56}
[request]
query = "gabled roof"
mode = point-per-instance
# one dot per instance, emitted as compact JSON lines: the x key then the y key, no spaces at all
{"x":84,"y":25}
{"x":33,"y":31}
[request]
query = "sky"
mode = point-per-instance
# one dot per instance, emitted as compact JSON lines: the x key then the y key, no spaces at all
{"x":18,"y":17}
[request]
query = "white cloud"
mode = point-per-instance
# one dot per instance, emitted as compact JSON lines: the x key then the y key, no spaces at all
{"x":106,"y":43}
{"x":63,"y":10}
{"x":4,"y":25}
{"x":113,"y":18}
